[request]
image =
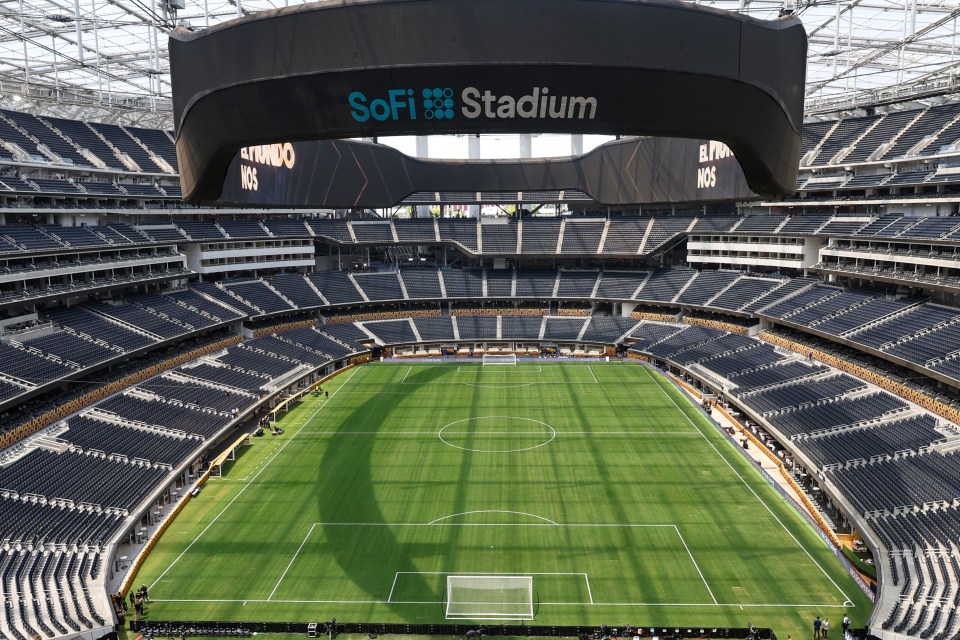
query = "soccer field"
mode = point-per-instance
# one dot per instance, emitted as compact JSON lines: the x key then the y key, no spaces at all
{"x":600,"y":481}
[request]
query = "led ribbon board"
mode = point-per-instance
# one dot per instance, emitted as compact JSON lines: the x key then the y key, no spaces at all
{"x":345,"y":174}
{"x":336,"y":70}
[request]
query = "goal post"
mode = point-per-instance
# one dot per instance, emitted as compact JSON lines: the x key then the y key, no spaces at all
{"x":499,"y":359}
{"x":489,"y":598}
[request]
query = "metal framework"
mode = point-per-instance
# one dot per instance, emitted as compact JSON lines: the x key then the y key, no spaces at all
{"x":107,"y":59}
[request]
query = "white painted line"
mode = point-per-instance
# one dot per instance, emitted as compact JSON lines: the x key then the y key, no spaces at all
{"x":519,"y":513}
{"x":409,"y":369}
{"x":433,"y":434}
{"x":590,"y":369}
{"x":589,"y":590}
{"x":393,"y":586}
{"x":483,"y":524}
{"x":255,"y":476}
{"x":749,"y":488}
{"x":290,"y":564}
{"x":814,"y":605}
{"x":696,"y":566}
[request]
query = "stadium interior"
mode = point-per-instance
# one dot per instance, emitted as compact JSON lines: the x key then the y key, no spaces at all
{"x":141,"y":336}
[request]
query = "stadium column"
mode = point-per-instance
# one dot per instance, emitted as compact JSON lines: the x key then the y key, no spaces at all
{"x":473,"y":153}
{"x":576,"y":144}
{"x":423,"y":151}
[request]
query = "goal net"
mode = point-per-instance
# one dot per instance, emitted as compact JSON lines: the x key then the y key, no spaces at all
{"x":489,"y":598}
{"x":504,"y":359}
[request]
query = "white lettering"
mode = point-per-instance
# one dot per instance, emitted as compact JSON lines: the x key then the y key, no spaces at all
{"x":539,"y":103}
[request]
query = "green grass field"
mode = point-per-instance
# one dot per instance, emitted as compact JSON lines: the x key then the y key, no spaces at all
{"x":602,"y":482}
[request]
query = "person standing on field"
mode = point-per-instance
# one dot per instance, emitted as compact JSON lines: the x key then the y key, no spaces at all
{"x":816,"y":629}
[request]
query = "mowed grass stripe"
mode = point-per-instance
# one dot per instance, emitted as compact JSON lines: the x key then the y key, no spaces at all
{"x":372,"y":456}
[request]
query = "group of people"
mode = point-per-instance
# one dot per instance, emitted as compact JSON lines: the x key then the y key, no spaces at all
{"x":821,"y":628}
{"x":138,"y":599}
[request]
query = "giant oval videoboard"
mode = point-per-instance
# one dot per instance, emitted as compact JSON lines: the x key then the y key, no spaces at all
{"x":336,"y":70}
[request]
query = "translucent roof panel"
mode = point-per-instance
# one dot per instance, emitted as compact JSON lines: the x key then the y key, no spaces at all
{"x":107,"y":59}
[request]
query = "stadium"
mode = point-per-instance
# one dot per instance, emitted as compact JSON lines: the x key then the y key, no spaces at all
{"x":579,"y":318}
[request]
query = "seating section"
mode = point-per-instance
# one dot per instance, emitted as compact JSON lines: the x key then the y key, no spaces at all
{"x":664,"y":285}
{"x":533,"y":284}
{"x":392,"y":331}
{"x":122,"y":141}
{"x":582,"y":236}
{"x":540,"y":235}
{"x":380,"y":286}
{"x":499,"y":238}
{"x":422,"y":283}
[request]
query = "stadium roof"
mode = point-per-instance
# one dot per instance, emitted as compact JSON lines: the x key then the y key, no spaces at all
{"x":107,"y":59}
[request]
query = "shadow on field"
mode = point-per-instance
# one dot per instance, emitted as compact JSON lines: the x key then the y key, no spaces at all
{"x":393,"y":554}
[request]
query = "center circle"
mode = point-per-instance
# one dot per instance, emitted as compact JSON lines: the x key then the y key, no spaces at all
{"x":496,"y":434}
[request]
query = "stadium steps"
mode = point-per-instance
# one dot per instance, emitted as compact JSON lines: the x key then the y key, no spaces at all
{"x":777,"y":299}
{"x":157,"y":160}
{"x":810,"y":156}
{"x":882,"y":319}
{"x":220,"y":303}
{"x":847,"y":150}
{"x":370,"y":334}
{"x":126,"y":160}
{"x":719,"y":293}
{"x":603,"y":236}
{"x":42,"y":148}
{"x":413,"y":326}
{"x":499,"y":327}
{"x":643,"y":283}
{"x":646,"y":236}
{"x":543,"y":328}
{"x":393,"y":232}
{"x":563,"y":227}
{"x":317,"y":291}
{"x":357,"y":284}
{"x":513,"y":284}
{"x":556,"y":286}
{"x":353,"y":236}
{"x":332,"y":338}
{"x":519,"y":248}
{"x":443,"y":285}
{"x":892,"y":142}
{"x":583,"y":329}
{"x":686,"y":286}
{"x":456,"y":328}
{"x":290,"y":302}
{"x":403,"y":286}
{"x":436,"y":230}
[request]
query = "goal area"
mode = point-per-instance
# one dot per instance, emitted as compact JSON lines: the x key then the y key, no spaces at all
{"x":489,"y":598}
{"x":499,"y":359}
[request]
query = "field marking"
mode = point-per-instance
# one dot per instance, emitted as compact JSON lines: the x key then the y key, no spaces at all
{"x":695,"y":565}
{"x":590,"y":369}
{"x":813,"y":605}
{"x":466,"y":513}
{"x":255,"y":476}
{"x":393,"y":586}
{"x":290,"y":564}
{"x":396,"y":575}
{"x":553,"y":434}
{"x":490,"y":524}
{"x":460,"y":368}
{"x":433,"y":434}
{"x":749,"y":488}
{"x":409,"y":369}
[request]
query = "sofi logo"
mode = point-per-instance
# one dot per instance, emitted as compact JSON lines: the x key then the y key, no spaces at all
{"x":438,"y":103}
{"x":434,"y":103}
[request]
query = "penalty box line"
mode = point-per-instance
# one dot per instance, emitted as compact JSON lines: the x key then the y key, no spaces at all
{"x":586,"y":579}
{"x":440,"y":523}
